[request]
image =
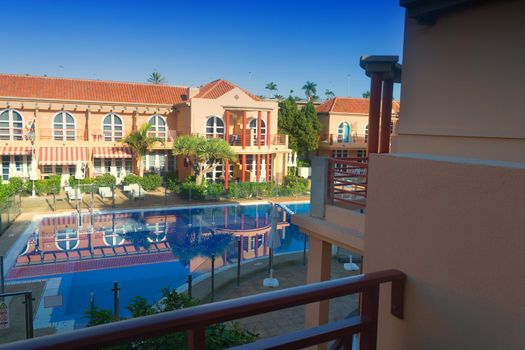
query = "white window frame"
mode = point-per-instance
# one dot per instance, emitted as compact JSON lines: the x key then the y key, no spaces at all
{"x":215,"y":127}
{"x":10,"y":134}
{"x":156,"y":127}
{"x":341,"y":132}
{"x":252,"y":124}
{"x":112,"y":135}
{"x":64,"y":132}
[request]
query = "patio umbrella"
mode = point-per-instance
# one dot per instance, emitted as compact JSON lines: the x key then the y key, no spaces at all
{"x":350,"y":266}
{"x":123,"y":174}
{"x":33,"y":176}
{"x":274,"y":242}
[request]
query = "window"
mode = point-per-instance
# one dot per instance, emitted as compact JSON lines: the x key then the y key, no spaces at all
{"x":111,"y":238}
{"x":214,"y":127}
{"x":98,"y":165}
{"x":11,"y":125}
{"x":64,"y":127}
{"x":18,"y":163}
{"x":366,"y":134}
{"x":391,"y":127}
{"x":253,"y":125}
{"x":361,"y":153}
{"x":340,"y":153}
{"x":107,"y":166}
{"x":5,"y":167}
{"x":158,"y":127}
{"x":343,"y":132}
{"x":48,"y":169}
{"x":215,"y":174}
{"x":113,"y":127}
{"x":128,"y":165}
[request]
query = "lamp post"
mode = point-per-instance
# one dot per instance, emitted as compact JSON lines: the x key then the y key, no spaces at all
{"x":32,"y":174}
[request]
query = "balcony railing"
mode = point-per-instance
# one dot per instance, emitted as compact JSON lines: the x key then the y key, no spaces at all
{"x":166,"y":135}
{"x":195,"y":320}
{"x":348,"y":181}
{"x":334,"y":139}
{"x":50,"y":134}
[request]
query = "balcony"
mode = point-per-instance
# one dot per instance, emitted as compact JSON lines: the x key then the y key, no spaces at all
{"x":50,"y":134}
{"x":195,"y":320}
{"x":347,"y":182}
{"x":251,"y":139}
{"x":340,"y":141}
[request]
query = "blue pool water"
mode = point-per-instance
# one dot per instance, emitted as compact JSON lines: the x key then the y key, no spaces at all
{"x":144,"y":251}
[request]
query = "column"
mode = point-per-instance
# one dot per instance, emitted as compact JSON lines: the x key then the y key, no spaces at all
{"x":243,"y":168}
{"x":258,"y":167}
{"x":373,"y":117}
{"x":243,"y":136}
{"x":227,"y":127}
{"x":319,"y":258}
{"x":268,"y":129}
{"x":259,"y":121}
{"x":226,"y":172}
{"x":268,"y":157}
{"x":386,"y":116}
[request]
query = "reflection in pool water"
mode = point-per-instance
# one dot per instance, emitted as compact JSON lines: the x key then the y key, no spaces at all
{"x":143,"y":251}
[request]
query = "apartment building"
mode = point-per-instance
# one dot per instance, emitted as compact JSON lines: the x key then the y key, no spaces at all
{"x":445,"y":206}
{"x":59,"y":122}
{"x":345,"y":126}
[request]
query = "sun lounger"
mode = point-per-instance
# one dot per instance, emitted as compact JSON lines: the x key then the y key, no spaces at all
{"x":105,"y":192}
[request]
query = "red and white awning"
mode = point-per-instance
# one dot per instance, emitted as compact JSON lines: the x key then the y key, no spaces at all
{"x":112,"y":152}
{"x":16,"y":151}
{"x":63,"y":155}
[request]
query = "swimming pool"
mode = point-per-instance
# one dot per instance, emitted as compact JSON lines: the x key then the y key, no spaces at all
{"x":80,"y":256}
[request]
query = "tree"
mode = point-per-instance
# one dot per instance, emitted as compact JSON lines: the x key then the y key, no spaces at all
{"x":271,"y":87}
{"x":140,"y":142}
{"x":329,"y":94}
{"x":310,"y":89}
{"x":203,"y":154}
{"x":156,"y":78}
{"x":279,"y":97}
{"x":302,"y":126}
{"x":366,"y":94}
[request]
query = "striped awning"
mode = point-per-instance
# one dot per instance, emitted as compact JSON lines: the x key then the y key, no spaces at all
{"x":112,"y":152}
{"x":16,"y":151}
{"x":63,"y":155}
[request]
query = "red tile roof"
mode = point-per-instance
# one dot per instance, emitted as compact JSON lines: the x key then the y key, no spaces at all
{"x":349,"y":105}
{"x":219,"y":87}
{"x":89,"y":90}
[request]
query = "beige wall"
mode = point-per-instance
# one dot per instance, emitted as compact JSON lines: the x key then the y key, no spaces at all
{"x":456,"y":229}
{"x":463,"y":84}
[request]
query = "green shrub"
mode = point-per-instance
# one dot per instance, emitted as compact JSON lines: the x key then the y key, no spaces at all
{"x":214,"y":190}
{"x":218,"y":336}
{"x":190,"y":190}
{"x":16,"y":184}
{"x":296,"y":185}
{"x":151,"y":182}
{"x":131,"y":179}
{"x":172,"y":182}
{"x":106,"y":180}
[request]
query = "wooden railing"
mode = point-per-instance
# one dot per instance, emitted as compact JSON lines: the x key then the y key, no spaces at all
{"x":50,"y":134}
{"x":348,"y":181}
{"x":334,"y":139}
{"x":195,"y":320}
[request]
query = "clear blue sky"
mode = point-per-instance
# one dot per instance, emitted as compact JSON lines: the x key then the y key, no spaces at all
{"x":193,"y":42}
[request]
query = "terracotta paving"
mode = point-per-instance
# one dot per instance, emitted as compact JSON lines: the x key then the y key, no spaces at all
{"x":292,"y":319}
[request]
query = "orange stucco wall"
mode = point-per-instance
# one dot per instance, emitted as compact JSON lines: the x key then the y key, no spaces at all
{"x":456,"y":229}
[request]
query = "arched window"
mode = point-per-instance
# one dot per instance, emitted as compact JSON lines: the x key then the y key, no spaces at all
{"x":366,"y":133}
{"x":253,"y":125}
{"x":158,"y":127}
{"x":214,"y":127}
{"x":64,"y":127}
{"x":67,"y":239}
{"x":343,"y":132}
{"x":113,"y":127}
{"x":11,"y":125}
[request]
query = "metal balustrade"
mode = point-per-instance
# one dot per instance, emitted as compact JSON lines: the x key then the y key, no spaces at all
{"x":348,"y":181}
{"x":195,"y":320}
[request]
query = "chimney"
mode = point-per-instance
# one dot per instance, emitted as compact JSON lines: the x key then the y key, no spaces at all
{"x":192,"y":91}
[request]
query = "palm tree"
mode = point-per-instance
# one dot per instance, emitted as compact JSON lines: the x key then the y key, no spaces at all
{"x":329,"y":94}
{"x":156,"y":78}
{"x":203,"y":154}
{"x":279,"y":97}
{"x":140,"y":142}
{"x":366,"y":94}
{"x":271,"y":87}
{"x":310,"y":89}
